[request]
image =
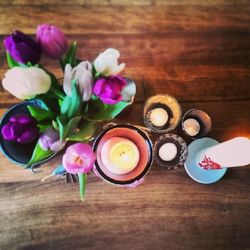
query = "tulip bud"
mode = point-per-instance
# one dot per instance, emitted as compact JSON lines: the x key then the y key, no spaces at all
{"x":26,"y":83}
{"x":107,"y":62}
{"x":83,"y":74}
{"x":52,"y":40}
{"x":79,"y":158}
{"x":20,"y":128}
{"x":22,"y":48}
{"x":50,"y":140}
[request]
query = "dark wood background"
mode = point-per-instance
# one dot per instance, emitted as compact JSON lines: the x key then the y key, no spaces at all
{"x":197,"y":51}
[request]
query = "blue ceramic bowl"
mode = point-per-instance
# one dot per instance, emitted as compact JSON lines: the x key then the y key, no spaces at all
{"x":19,"y":154}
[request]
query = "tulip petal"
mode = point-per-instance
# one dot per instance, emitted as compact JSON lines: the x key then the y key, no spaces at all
{"x":119,"y":68}
{"x":57,"y":146}
{"x":28,"y":135}
{"x":7,"y":132}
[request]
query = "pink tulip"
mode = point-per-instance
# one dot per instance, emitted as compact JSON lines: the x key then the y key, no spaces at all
{"x":52,"y":40}
{"x":79,"y":158}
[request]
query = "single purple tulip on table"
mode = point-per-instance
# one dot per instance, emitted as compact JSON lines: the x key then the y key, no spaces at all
{"x":22,"y":48}
{"x":20,"y":128}
{"x":79,"y":159}
{"x":52,"y":40}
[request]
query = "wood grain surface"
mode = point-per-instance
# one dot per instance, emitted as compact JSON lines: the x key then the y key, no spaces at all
{"x":197,"y":51}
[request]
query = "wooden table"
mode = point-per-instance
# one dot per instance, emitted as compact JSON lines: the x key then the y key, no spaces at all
{"x":198,"y":53}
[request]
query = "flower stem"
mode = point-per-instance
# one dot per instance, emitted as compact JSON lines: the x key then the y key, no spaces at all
{"x":82,"y":183}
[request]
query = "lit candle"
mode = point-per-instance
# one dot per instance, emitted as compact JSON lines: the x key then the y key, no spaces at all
{"x":191,"y":127}
{"x":158,"y":117}
{"x":232,"y":153}
{"x":168,"y":151}
{"x":120,"y":155}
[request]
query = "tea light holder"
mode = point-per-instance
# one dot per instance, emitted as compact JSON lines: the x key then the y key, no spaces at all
{"x":161,"y":113}
{"x":196,"y":123}
{"x":118,"y":146}
{"x":18,"y":153}
{"x":203,"y":176}
{"x":170,"y":151}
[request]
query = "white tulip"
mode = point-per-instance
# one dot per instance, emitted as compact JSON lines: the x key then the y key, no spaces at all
{"x":26,"y":83}
{"x":107,"y":62}
{"x":83,"y":74}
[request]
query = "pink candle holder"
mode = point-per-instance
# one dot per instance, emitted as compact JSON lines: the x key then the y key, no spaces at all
{"x":143,"y":144}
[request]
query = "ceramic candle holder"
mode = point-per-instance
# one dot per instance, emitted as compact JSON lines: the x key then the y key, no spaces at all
{"x":136,"y":136}
{"x":162,"y":154}
{"x":203,"y":119}
{"x":165,"y":104}
{"x":19,"y":154}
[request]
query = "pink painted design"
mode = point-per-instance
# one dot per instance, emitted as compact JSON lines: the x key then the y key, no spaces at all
{"x":207,"y":163}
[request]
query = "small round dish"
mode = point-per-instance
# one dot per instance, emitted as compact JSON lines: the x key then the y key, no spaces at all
{"x":179,"y":157}
{"x":203,"y":119}
{"x":166,"y":104}
{"x":135,"y":135}
{"x":18,"y":153}
{"x":197,"y":173}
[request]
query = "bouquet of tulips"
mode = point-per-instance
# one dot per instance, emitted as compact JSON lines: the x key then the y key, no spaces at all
{"x":89,"y":93}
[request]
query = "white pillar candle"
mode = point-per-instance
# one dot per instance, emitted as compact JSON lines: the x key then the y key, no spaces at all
{"x":158,"y":117}
{"x":191,"y":126}
{"x":120,"y":155}
{"x":232,"y":153}
{"x":168,"y":151}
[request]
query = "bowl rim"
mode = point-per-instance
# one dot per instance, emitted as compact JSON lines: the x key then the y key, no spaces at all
{"x":37,"y":102}
{"x":149,"y":162}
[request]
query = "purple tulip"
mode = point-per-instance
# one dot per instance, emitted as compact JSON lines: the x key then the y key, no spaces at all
{"x":79,"y":158}
{"x":50,"y":140}
{"x":22,"y":48}
{"x":20,"y":128}
{"x":109,"y":89}
{"x":52,"y":40}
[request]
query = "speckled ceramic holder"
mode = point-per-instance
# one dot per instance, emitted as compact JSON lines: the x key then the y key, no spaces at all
{"x":20,"y":154}
{"x":144,"y":145}
{"x":181,"y":155}
{"x":168,"y":103}
{"x":203,"y":119}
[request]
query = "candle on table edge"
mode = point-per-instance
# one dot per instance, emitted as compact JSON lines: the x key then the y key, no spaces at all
{"x":120,"y":155}
{"x":231,"y":153}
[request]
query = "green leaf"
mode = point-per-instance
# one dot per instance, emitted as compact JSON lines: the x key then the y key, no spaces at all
{"x":86,"y":131}
{"x":12,"y":63}
{"x":39,"y":155}
{"x":55,"y":125}
{"x":70,"y":57}
{"x":43,"y":127}
{"x":98,"y":111}
{"x":41,"y":114}
{"x":72,"y":105}
{"x":65,"y":128}
{"x":70,"y":126}
{"x":82,"y":184}
{"x":65,"y":105}
{"x":61,"y":121}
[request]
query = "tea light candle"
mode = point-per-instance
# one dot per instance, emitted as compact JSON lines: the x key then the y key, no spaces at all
{"x":120,"y":155}
{"x":158,"y":117}
{"x":168,"y":151}
{"x":191,"y":127}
